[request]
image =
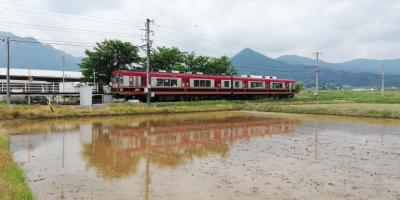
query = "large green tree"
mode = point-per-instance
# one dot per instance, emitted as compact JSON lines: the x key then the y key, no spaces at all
{"x":166,"y":58}
{"x":221,"y":65}
{"x":106,"y":57}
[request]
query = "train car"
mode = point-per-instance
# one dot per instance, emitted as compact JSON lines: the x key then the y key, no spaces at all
{"x":169,"y":86}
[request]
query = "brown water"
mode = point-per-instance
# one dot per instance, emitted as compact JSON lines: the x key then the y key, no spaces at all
{"x":226,"y":155}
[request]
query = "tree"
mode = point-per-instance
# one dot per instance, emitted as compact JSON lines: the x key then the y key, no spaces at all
{"x":106,"y":57}
{"x":166,"y":58}
{"x":173,"y":59}
{"x":299,"y":87}
{"x":221,"y":65}
{"x":200,"y":64}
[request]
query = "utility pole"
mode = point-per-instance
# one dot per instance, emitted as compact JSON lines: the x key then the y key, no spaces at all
{"x":63,"y":73}
{"x":383,"y":80}
{"x":316,"y":73}
{"x":148,"y":61}
{"x":8,"y":71}
{"x":94,"y":79}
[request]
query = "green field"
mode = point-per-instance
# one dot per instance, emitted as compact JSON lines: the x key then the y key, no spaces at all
{"x":359,"y":104}
{"x":349,"y":96}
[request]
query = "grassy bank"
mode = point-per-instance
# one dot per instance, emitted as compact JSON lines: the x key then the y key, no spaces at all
{"x":344,"y":109}
{"x":348,"y":96}
{"x":12,"y":177}
{"x":363,"y":104}
{"x":57,"y":111}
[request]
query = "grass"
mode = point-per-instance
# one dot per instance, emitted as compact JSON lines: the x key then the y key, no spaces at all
{"x":340,"y":103}
{"x":350,"y":96}
{"x":57,"y":111}
{"x":13,"y":184}
{"x":365,"y":104}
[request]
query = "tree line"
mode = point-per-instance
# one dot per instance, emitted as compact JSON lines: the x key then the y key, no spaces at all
{"x":111,"y":55}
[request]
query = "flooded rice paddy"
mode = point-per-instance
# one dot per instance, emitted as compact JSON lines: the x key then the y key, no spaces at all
{"x":225,"y":155}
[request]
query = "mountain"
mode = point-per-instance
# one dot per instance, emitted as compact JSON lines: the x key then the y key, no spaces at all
{"x":296,"y":60}
{"x":300,"y":68}
{"x":359,"y":65}
{"x":36,"y":55}
{"x":252,"y":58}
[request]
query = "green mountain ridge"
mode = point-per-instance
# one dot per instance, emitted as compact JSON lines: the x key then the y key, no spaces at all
{"x":392,"y":66}
{"x":301,"y":69}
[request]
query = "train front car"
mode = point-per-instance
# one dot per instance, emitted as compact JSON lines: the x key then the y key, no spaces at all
{"x":179,"y":86}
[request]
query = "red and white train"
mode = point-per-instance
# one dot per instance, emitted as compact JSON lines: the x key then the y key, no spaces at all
{"x":181,"y":86}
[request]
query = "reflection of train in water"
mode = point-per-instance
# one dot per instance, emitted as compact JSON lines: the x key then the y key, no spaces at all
{"x":170,"y":135}
{"x":179,"y":86}
{"x":116,"y":147}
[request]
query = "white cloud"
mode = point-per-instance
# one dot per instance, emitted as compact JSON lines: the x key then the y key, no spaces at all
{"x":342,"y":29}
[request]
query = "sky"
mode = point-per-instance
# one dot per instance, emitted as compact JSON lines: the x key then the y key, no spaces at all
{"x":342,"y":29}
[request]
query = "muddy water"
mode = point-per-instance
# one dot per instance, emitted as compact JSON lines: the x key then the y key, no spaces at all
{"x":227,"y":155}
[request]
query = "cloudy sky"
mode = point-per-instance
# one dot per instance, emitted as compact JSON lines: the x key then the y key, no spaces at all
{"x":341,"y":29}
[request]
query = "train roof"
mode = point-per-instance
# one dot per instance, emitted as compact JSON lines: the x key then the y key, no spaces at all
{"x":200,"y":76}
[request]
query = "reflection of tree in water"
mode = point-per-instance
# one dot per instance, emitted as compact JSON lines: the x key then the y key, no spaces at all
{"x":115,"y":151}
{"x":102,"y":154}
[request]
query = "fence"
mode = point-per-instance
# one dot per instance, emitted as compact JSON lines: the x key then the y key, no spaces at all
{"x":44,"y":88}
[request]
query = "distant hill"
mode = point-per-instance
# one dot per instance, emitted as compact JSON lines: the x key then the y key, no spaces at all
{"x":359,"y":65}
{"x":252,"y":58}
{"x":300,"y":68}
{"x":36,"y":55}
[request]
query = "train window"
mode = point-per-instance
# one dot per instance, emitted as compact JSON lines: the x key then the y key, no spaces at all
{"x":201,"y":83}
{"x":256,"y":84}
{"x":160,"y":82}
{"x":277,"y":85}
{"x":167,"y":82}
{"x":208,"y":83}
{"x":226,"y":84}
{"x":196,"y":83}
{"x":174,"y":82}
{"x":238,"y":84}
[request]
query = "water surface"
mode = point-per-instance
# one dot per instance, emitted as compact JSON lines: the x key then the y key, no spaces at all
{"x":225,"y":155}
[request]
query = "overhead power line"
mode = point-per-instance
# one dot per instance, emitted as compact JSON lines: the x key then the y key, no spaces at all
{"x":19,"y":7}
{"x":41,"y":10}
{"x":210,"y":38}
{"x":53,"y":43}
{"x":69,"y":30}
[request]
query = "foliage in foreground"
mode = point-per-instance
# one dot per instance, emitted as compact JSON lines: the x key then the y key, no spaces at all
{"x":12,"y":177}
{"x":173,"y":59}
{"x":106,"y":57}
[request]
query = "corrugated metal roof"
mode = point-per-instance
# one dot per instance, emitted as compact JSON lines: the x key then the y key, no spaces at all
{"x":40,"y":73}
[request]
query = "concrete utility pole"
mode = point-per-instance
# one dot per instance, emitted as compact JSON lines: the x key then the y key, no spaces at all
{"x":383,"y":80}
{"x":148,"y":61}
{"x":94,"y":77}
{"x":316,"y":73}
{"x":63,"y":73}
{"x":8,"y":71}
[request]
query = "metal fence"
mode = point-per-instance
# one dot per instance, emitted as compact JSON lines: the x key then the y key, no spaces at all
{"x":44,"y":87}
